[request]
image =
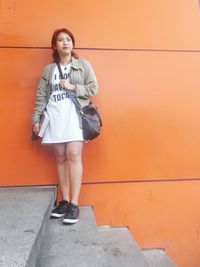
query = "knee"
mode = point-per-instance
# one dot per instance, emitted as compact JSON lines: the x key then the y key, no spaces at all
{"x":74,"y":156}
{"x":60,"y":158}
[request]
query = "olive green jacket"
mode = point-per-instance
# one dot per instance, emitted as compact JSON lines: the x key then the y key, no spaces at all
{"x":82,"y":76}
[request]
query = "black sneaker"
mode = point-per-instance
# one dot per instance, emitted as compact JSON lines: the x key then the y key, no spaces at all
{"x":72,"y":214}
{"x":60,"y":210}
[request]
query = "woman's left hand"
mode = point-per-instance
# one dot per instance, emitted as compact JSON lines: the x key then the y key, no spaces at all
{"x":67,"y":85}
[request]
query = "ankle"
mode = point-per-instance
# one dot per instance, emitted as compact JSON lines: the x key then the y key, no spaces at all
{"x":74,"y":203}
{"x":65,"y":200}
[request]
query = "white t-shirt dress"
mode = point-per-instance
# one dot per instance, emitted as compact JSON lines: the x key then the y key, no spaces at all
{"x":64,"y":123}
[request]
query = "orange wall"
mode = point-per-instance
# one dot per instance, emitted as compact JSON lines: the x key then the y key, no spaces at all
{"x":146,"y":58}
{"x":166,"y":24}
{"x":150,"y":108}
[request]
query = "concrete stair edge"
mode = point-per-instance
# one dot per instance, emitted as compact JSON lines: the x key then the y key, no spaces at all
{"x":157,"y":257}
{"x":75,"y":245}
{"x":120,"y":248}
{"x":36,"y":248}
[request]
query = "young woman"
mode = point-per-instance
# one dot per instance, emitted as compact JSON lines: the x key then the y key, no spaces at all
{"x":64,"y":131}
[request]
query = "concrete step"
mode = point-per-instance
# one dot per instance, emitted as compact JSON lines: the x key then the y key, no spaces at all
{"x":28,"y":238}
{"x":157,"y":258}
{"x":120,"y":249}
{"x":24,"y":212}
{"x":76,"y":245}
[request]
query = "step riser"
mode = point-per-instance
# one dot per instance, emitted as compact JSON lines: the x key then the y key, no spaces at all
{"x":36,"y":249}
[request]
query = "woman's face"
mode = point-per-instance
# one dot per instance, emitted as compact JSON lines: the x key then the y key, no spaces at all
{"x":64,"y":44}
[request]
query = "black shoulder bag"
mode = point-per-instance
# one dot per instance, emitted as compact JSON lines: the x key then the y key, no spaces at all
{"x":91,"y":120}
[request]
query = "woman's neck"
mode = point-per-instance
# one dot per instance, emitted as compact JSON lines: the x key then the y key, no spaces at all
{"x":66,"y":59}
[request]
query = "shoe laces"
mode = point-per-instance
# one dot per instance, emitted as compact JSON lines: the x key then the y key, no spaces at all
{"x":71,"y":209}
{"x":62,"y":204}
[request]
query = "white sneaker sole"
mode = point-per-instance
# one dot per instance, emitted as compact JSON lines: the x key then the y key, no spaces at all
{"x":55,"y":215}
{"x":70,"y":221}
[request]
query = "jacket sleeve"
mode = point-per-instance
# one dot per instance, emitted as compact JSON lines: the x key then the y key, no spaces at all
{"x":41,"y":98}
{"x":90,"y":85}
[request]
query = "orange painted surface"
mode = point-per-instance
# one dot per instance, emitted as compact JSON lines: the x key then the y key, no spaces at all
{"x":166,"y":24}
{"x":150,"y":114}
{"x":149,"y":103}
{"x":162,"y":215}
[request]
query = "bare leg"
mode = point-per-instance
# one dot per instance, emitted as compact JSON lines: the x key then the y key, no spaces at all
{"x":74,"y":158}
{"x":62,"y":169}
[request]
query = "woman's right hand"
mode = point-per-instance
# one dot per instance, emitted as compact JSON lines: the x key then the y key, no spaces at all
{"x":36,"y":128}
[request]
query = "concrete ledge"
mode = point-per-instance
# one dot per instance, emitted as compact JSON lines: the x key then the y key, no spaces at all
{"x":157,"y":258}
{"x":72,"y":245}
{"x":120,"y":249}
{"x":23,"y":213}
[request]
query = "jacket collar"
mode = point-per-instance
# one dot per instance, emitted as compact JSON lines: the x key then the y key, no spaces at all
{"x":76,"y":63}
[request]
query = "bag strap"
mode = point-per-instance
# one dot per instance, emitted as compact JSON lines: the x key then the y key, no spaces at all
{"x":73,"y":98}
{"x":70,"y":94}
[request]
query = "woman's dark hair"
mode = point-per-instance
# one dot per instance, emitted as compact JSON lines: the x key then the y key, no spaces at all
{"x":56,"y":57}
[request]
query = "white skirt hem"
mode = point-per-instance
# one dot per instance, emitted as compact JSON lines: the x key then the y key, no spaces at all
{"x":64,"y":141}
